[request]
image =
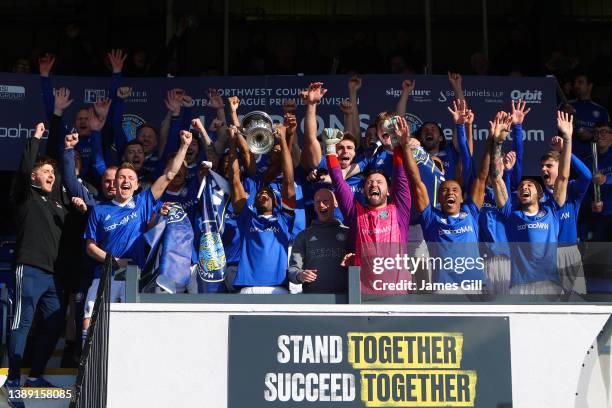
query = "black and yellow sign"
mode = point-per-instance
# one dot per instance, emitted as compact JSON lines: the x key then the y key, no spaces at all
{"x":319,"y":361}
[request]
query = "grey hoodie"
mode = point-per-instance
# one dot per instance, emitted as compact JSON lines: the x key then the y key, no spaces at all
{"x":321,"y":246}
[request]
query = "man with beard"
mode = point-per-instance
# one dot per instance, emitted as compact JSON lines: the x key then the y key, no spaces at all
{"x":569,"y":260}
{"x":265,"y":231}
{"x":452,"y":230}
{"x":40,"y":217}
{"x":533,"y":228}
{"x":117,"y":226}
{"x":379,"y":228}
{"x":318,"y":251}
{"x":312,"y":160}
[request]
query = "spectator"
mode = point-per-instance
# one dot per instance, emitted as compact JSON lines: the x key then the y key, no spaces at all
{"x":601,"y":223}
{"x":21,"y":66}
{"x":587,"y":113}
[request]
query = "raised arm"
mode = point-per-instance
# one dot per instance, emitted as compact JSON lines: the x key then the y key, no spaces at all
{"x":288,"y":187}
{"x":158,"y":188}
{"x":22,"y":179}
{"x":237,"y":189}
{"x":565,"y":125}
{"x":290,"y":122}
{"x":518,"y":116}
{"x":216,"y":102}
{"x":401,"y":188}
{"x":206,"y":142}
{"x":69,"y":176}
{"x":311,"y":152}
{"x":119,"y":135}
{"x":456,"y":82}
{"x":45,"y":64}
{"x":407,"y":88}
{"x":420,"y":196}
{"x":500,"y":127}
{"x":480,"y":181}
{"x":234,"y":103}
{"x":58,"y":129}
{"x":174,"y":102}
{"x":459,"y":113}
{"x":469,"y":130}
{"x":96,"y":123}
{"x":344,"y":195}
{"x":351,"y":121}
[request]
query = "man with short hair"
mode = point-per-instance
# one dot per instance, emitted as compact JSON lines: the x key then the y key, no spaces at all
{"x":378,"y":227}
{"x":266,"y":229}
{"x":533,"y":227}
{"x":569,"y":260}
{"x":587,"y":114}
{"x":452,"y":231}
{"x":318,"y":250}
{"x":117,"y":226}
{"x":40,"y":219}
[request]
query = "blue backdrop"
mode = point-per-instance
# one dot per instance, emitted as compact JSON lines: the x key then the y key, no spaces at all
{"x":21,"y":105}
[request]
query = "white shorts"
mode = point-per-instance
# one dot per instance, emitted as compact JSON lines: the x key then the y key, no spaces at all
{"x":571,"y":272}
{"x":536,"y":288}
{"x":498,"y":274}
{"x":417,"y":248}
{"x":117,"y":295}
{"x":264,"y":290}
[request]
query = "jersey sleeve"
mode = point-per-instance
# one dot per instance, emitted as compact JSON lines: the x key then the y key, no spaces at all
{"x":92,"y":226}
{"x":147,"y":203}
{"x":506,"y":210}
{"x":472,"y":209}
{"x":427,"y":216}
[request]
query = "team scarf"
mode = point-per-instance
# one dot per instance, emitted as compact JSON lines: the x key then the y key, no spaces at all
{"x":171,"y":242}
{"x":211,"y":255}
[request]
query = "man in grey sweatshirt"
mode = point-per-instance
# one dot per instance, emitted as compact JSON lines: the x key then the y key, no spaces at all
{"x":318,"y":250}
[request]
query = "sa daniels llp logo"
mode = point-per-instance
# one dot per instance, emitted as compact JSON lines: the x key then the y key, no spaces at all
{"x":12,"y":92}
{"x":417,"y":95}
{"x":529,"y":96}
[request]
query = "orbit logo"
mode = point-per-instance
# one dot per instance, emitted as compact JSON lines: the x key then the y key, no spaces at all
{"x":130,"y":125}
{"x":529,"y":96}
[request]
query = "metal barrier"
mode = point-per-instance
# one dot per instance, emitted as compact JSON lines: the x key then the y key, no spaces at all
{"x":91,"y":383}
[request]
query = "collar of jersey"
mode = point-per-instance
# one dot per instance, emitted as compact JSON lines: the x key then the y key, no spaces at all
{"x":122,"y":204}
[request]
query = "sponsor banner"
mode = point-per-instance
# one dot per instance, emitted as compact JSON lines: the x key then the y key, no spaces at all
{"x":21,"y":105}
{"x":349,"y":361}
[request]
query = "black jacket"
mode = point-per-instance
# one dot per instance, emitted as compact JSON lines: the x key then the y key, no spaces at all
{"x":39,"y":216}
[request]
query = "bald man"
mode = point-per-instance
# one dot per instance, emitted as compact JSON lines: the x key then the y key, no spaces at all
{"x":318,"y":250}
